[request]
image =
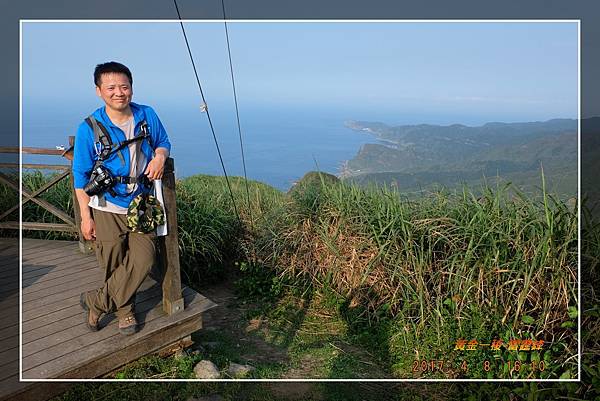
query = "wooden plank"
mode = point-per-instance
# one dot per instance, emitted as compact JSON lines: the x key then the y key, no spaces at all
{"x":31,"y":245}
{"x":61,"y":260}
{"x":8,"y":289}
{"x":62,"y":292}
{"x":48,"y":206}
{"x":111,"y":351}
{"x":45,"y":288}
{"x":56,"y":315}
{"x":50,"y":277}
{"x":58,"y":265}
{"x":27,"y":391}
{"x":31,"y":242}
{"x":71,"y":308}
{"x":9,"y":250}
{"x":37,"y":166}
{"x":9,"y":268}
{"x":11,"y":340}
{"x":9,"y":276}
{"x":41,"y":272}
{"x":69,"y":249}
{"x":32,"y":226}
{"x":9,"y":263}
{"x":133,"y":351}
{"x":46,"y":255}
{"x":8,"y":260}
{"x":43,"y":257}
{"x":31,"y":150}
{"x":9,"y":369}
{"x":9,"y":355}
{"x":171,"y":283}
{"x":10,"y":330}
{"x":42,"y":275}
{"x":10,"y":309}
{"x":10,"y":280}
{"x":37,"y":192}
{"x":11,"y":388}
{"x":55,"y":262}
{"x":60,"y":331}
{"x":53,"y":335}
{"x":9,"y":271}
{"x":9,"y":246}
{"x":26,"y":225}
{"x":86,"y":348}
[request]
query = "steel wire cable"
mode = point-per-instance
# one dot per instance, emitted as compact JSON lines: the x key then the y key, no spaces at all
{"x":207,"y":113}
{"x":237,"y":115}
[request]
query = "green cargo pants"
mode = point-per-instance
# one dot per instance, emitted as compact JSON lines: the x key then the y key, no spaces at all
{"x":126,"y":258}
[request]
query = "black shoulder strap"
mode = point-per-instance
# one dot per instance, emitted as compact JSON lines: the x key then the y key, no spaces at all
{"x":102,"y":136}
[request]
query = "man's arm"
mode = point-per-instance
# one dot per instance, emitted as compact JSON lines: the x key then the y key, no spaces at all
{"x":88,"y":226}
{"x":83,"y":161}
{"x":156,"y":167}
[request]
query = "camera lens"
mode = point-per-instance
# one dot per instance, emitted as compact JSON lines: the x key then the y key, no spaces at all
{"x":100,"y":180}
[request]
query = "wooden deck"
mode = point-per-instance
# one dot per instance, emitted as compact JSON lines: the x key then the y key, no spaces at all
{"x":55,"y":340}
{"x":9,"y":316}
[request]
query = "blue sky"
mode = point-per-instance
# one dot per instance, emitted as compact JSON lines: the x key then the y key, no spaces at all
{"x":439,"y":72}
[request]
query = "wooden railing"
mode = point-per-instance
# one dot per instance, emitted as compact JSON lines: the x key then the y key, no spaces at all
{"x":168,"y":247}
{"x":68,"y":224}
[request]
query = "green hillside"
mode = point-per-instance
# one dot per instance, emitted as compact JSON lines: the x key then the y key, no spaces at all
{"x":417,"y":157}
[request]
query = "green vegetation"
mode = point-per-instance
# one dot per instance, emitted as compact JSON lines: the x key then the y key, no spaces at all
{"x":425,"y":273}
{"x":333,"y":268}
{"x":416,"y":157}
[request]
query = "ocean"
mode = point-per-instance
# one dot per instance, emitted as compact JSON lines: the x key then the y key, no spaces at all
{"x":280,"y":145}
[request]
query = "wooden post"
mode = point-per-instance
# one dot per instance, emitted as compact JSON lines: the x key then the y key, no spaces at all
{"x":85,"y":246}
{"x":169,"y":248}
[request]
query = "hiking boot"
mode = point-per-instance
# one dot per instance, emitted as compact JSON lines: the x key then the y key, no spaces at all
{"x":127,"y":324}
{"x":91,"y":318}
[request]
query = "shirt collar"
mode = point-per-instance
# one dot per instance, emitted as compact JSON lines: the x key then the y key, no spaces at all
{"x":138,"y":114}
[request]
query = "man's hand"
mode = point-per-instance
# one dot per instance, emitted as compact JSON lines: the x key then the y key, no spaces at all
{"x":156,"y":167}
{"x":88,"y":226}
{"x":88,"y":229}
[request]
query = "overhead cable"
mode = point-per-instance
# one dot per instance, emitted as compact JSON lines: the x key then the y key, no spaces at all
{"x":207,"y":113}
{"x":237,"y":115}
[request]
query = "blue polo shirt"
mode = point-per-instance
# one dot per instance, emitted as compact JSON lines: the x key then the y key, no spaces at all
{"x":85,"y":152}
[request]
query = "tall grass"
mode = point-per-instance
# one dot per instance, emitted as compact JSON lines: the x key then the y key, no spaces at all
{"x":211,"y":237}
{"x":509,"y":254}
{"x":428,"y":270}
{"x":499,"y":260}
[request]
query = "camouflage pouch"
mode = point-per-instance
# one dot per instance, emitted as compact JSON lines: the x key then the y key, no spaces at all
{"x":144,"y":214}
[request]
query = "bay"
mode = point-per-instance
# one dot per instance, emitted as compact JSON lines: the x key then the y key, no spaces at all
{"x":280,"y":145}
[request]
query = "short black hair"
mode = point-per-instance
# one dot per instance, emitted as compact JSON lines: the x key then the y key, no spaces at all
{"x":111,"y":67}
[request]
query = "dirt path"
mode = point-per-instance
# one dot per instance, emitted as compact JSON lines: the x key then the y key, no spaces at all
{"x":250,"y":338}
{"x":229,"y":317}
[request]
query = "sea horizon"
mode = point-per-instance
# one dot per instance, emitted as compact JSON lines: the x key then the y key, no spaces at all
{"x":281,"y":143}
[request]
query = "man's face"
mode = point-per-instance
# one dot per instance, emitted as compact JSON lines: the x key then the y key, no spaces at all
{"x":115,"y":90}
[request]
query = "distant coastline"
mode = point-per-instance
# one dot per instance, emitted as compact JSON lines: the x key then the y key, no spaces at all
{"x":421,"y":155}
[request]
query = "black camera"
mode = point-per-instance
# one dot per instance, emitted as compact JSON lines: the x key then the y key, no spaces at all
{"x":100,"y":180}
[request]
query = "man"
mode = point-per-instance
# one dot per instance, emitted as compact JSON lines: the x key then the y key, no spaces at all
{"x":125,"y":255}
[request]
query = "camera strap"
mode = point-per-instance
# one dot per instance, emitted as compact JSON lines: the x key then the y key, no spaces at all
{"x":129,"y":180}
{"x":107,"y":148}
{"x":102,"y":137}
